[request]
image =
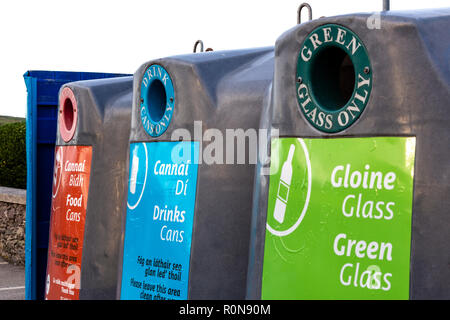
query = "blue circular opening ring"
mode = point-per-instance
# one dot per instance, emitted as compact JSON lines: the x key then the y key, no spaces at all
{"x":157,"y":100}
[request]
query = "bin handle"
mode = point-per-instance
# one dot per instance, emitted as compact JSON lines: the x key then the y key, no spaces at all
{"x":299,"y":12}
{"x":196,"y":44}
{"x":200,"y":42}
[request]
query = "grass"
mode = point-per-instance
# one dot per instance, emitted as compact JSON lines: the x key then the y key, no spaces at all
{"x":8,"y":119}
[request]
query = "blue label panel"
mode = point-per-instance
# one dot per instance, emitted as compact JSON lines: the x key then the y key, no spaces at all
{"x":160,"y":215}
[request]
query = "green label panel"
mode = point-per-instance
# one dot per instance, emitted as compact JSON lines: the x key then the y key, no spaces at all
{"x":339,"y":218}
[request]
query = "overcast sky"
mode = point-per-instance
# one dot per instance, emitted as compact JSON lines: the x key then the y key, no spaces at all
{"x":118,"y":36}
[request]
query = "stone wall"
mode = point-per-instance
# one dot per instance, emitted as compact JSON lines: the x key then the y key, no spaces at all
{"x":12,"y":225}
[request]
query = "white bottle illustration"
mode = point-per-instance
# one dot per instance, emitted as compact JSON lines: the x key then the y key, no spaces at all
{"x":134,"y":172}
{"x":57,"y":166}
{"x":284,"y":186}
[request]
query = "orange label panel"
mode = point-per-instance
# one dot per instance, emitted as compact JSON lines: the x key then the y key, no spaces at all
{"x":68,"y":214}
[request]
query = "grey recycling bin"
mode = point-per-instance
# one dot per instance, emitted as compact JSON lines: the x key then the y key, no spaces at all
{"x":88,"y":198}
{"x":190,"y":179}
{"x":353,"y":202}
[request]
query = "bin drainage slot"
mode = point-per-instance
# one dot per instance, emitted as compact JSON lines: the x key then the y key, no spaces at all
{"x":157,"y":100}
{"x":332,"y":78}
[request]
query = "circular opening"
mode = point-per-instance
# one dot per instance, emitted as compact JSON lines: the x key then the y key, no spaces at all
{"x":68,"y":114}
{"x":156,"y":100}
{"x":332,"y":78}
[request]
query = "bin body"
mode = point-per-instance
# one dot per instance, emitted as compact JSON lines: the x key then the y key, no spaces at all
{"x":87,"y":192}
{"x":198,"y":247}
{"x":334,"y":229}
{"x":42,"y":104}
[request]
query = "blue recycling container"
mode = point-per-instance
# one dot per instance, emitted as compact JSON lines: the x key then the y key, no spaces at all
{"x":42,"y":108}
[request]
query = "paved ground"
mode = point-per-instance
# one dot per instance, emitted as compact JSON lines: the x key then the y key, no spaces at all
{"x":12,"y":281}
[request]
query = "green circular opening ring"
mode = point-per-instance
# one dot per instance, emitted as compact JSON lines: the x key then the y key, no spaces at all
{"x":334,"y":78}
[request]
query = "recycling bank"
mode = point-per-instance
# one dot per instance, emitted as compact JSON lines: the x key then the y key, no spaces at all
{"x":186,"y":234}
{"x":89,"y":177}
{"x":351,"y":202}
{"x":356,"y":199}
